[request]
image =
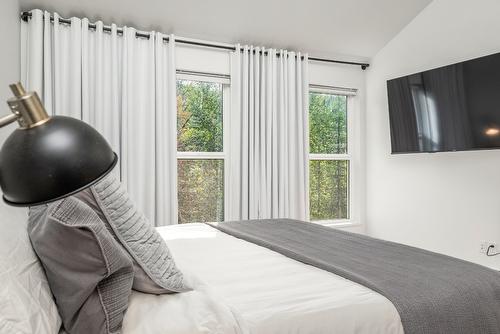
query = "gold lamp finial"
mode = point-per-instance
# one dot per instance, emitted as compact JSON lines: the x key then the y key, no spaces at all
{"x":18,"y":89}
{"x":26,"y":108}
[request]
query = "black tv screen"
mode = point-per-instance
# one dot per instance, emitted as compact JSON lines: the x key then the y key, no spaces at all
{"x":451,"y":108}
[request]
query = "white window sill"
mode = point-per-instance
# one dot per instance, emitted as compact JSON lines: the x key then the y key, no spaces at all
{"x":340,"y":223}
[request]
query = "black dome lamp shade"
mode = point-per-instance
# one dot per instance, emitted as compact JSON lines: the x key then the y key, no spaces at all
{"x":48,"y":158}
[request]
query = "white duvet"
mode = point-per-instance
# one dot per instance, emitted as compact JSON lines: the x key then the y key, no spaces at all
{"x":240,"y":287}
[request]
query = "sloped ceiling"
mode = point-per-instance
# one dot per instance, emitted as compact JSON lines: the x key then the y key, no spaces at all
{"x":349,"y":29}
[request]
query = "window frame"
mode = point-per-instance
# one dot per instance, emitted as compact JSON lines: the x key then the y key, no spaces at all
{"x":352,"y":155}
{"x":225,"y":81}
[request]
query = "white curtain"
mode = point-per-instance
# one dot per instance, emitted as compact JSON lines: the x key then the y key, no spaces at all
{"x":269,"y":135}
{"x":122,"y":85}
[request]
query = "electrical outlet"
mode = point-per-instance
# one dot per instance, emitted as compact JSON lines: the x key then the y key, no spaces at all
{"x":485,"y":245}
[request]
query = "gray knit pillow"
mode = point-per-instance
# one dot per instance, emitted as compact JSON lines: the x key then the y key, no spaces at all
{"x":89,"y":273}
{"x":138,"y":236}
{"x":142,"y":282}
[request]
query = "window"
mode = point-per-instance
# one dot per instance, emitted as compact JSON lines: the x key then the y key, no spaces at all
{"x":200,"y":148}
{"x":330,"y":156}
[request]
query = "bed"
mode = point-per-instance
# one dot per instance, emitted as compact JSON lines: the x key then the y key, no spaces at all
{"x":244,"y":282}
{"x":244,"y":288}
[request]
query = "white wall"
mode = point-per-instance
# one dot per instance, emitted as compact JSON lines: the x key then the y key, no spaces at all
{"x":9,"y":73}
{"x":202,"y":59}
{"x":445,"y":202}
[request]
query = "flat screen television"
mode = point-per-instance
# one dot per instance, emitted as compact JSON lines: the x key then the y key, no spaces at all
{"x":450,"y":108}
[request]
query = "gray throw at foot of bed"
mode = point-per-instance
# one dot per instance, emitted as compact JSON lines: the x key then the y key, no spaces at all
{"x":433,"y":293}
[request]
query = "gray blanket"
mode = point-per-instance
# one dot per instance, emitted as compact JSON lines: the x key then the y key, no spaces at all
{"x":433,"y":293}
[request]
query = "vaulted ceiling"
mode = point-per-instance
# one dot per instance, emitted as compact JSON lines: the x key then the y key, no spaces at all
{"x":350,"y":29}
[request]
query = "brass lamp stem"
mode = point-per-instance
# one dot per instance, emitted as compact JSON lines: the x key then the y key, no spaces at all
{"x":5,"y":120}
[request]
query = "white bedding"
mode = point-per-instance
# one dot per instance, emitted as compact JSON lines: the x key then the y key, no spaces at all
{"x":244,"y":288}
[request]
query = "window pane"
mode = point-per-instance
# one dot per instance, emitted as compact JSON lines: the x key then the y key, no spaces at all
{"x":200,"y":190}
{"x":327,"y":123}
{"x":199,"y":116}
{"x":329,"y":189}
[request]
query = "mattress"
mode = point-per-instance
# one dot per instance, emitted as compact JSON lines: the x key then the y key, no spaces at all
{"x":240,"y":287}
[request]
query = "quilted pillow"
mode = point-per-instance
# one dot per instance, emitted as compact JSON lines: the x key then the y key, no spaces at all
{"x":142,"y":282}
{"x":156,"y":271}
{"x":89,"y":273}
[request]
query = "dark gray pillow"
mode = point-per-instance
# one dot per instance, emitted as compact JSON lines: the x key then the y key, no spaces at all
{"x":89,"y":273}
{"x":156,"y":271}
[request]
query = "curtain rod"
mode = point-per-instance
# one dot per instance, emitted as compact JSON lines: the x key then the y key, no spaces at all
{"x":25,"y":16}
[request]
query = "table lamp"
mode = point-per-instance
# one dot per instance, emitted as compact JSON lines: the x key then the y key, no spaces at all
{"x":48,"y":157}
